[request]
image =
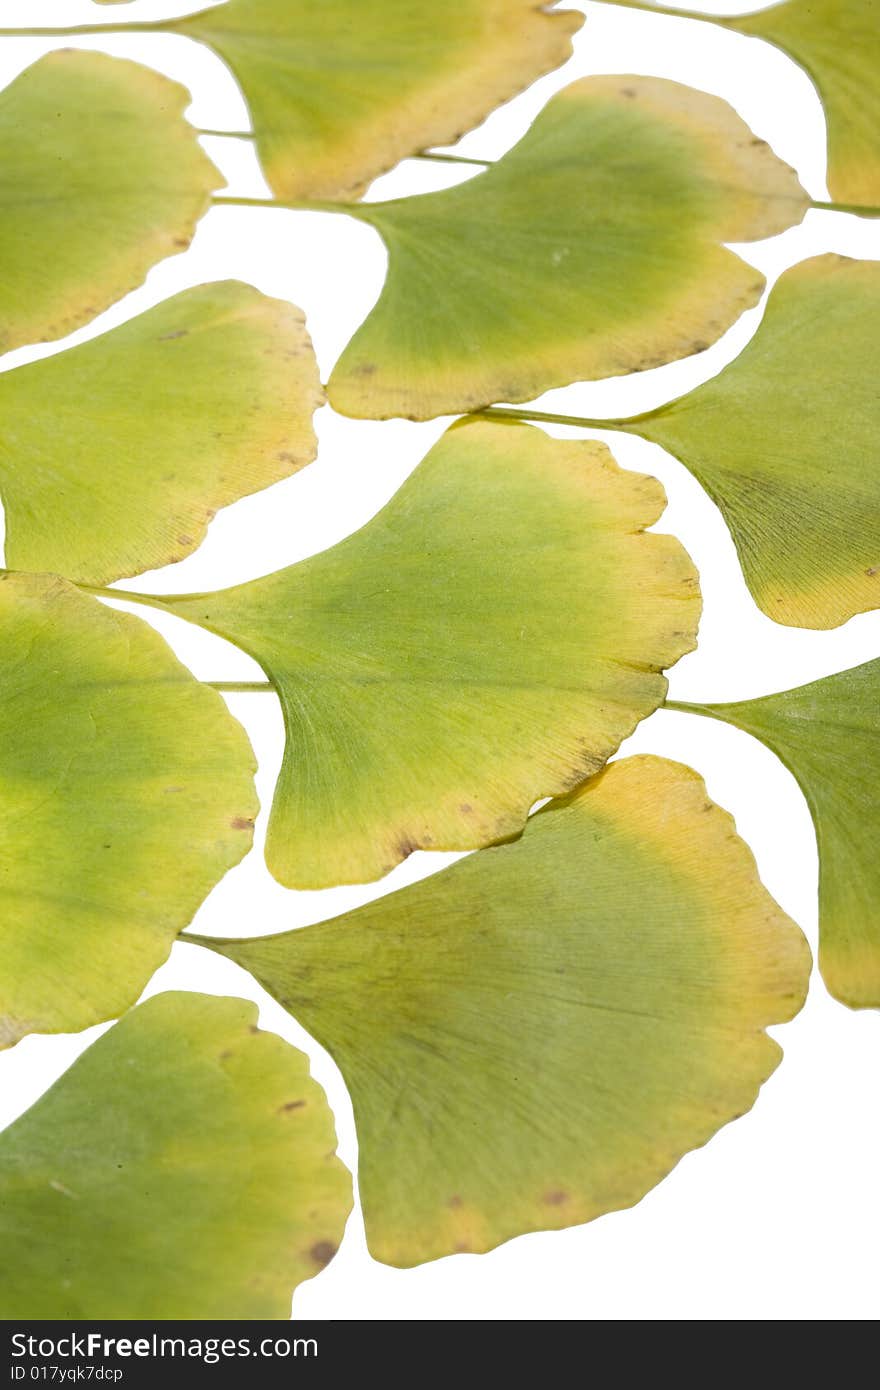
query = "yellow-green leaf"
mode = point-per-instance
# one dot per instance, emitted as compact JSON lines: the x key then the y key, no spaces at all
{"x":150,"y":429}
{"x":838,"y":42}
{"x":103,"y":178}
{"x":126,"y":792}
{"x":488,"y":639}
{"x":535,"y":1036}
{"x":593,"y":248}
{"x":184,"y":1167}
{"x":340,"y":90}
{"x":787,"y":442}
{"x":828,"y":735}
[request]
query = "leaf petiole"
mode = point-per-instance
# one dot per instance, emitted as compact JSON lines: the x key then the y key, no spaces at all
{"x":857,"y":209}
{"x":242,"y":687}
{"x":671,"y":11}
{"x":544,"y":417}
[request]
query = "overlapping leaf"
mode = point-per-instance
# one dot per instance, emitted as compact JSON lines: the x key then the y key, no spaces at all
{"x":152,"y":427}
{"x":103,"y":178}
{"x":838,"y":42}
{"x":183,"y":1168}
{"x":787,"y":441}
{"x":126,"y":791}
{"x":593,"y":248}
{"x":488,"y":639}
{"x":828,"y":735}
{"x":340,"y":90}
{"x":536,"y":1035}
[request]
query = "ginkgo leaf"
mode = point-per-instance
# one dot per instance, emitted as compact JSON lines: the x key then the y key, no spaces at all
{"x":593,"y":248}
{"x":184,"y":1167}
{"x":838,"y":42}
{"x":488,"y":639}
{"x":106,"y":178}
{"x":152,"y":427}
{"x":126,"y":792}
{"x":787,"y":442}
{"x":340,"y":90}
{"x":535,"y":1036}
{"x":828,"y":735}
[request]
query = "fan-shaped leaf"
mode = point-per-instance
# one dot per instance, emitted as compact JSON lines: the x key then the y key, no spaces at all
{"x":183,"y":1168}
{"x":126,"y":792}
{"x":486,"y":640}
{"x":787,"y":441}
{"x":340,"y":90}
{"x":838,"y":42}
{"x":536,"y":1035}
{"x":152,"y":427}
{"x":105,"y":178}
{"x":828,"y":735}
{"x":592,"y":249}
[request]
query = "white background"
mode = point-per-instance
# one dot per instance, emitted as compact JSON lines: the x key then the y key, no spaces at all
{"x":779,"y":1216}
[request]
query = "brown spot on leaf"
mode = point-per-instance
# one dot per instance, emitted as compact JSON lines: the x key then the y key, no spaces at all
{"x":466,"y":808}
{"x":462,"y":1248}
{"x":291,"y":1105}
{"x":556,"y":1198}
{"x":285,"y":457}
{"x":179,"y":333}
{"x":184,"y":540}
{"x":241,"y":823}
{"x":872,"y":570}
{"x":322,"y":1252}
{"x":454,"y":1201}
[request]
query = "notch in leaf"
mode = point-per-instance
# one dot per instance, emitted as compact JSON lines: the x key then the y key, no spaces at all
{"x":184,"y":1167}
{"x":593,"y":248}
{"x":127,"y":792}
{"x":108,"y":179}
{"x":828,"y":735}
{"x":340,"y":90}
{"x":785,"y":440}
{"x":535,"y":1036}
{"x":153,"y":426}
{"x":488,"y":639}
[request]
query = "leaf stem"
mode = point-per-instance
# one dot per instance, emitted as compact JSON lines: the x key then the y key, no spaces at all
{"x":685,"y":707}
{"x":129,"y":596}
{"x":647,"y":8}
{"x":74,"y":31}
{"x":544,"y":417}
{"x":452,"y":159}
{"x":227,"y":134}
{"x":242,"y":687}
{"x":858,"y":209}
{"x":226,"y":200}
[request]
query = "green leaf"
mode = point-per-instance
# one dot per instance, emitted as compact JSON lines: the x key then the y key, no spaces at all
{"x":838,"y":42}
{"x":828,"y":735}
{"x":593,"y":248}
{"x":152,"y":427}
{"x":488,"y":639}
{"x":108,"y":179}
{"x":535,"y":1036}
{"x":340,"y":90}
{"x":184,"y":1167}
{"x":126,"y":792}
{"x":786,"y":442}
